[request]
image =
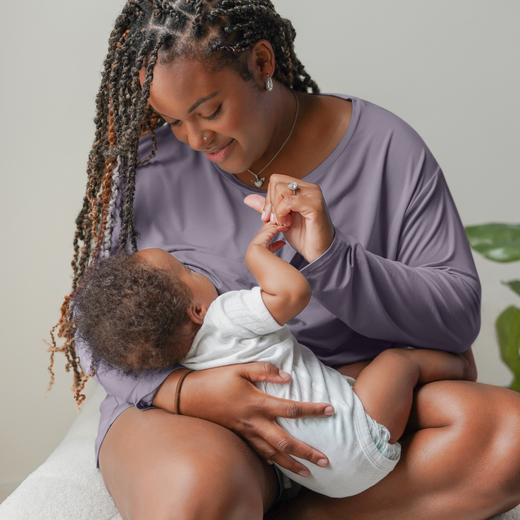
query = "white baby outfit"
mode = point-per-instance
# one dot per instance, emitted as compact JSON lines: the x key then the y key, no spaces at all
{"x":238,"y":328}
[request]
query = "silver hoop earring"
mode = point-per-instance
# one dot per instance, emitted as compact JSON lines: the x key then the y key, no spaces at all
{"x":269,"y":83}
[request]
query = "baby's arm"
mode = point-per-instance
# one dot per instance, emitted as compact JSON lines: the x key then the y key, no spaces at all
{"x":285,"y":291}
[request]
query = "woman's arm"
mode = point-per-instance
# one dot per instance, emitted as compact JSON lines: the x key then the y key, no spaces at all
{"x":428,"y":296}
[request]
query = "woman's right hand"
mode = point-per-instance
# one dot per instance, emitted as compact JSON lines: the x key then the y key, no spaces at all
{"x":227,"y":396}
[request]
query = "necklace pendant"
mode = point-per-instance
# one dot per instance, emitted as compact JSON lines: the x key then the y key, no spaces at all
{"x":258,"y":182}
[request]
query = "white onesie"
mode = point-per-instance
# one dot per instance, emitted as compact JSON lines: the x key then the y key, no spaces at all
{"x":238,"y":328}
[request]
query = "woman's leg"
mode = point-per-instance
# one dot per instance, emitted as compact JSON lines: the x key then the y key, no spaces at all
{"x":161,"y":466}
{"x":462,"y":464}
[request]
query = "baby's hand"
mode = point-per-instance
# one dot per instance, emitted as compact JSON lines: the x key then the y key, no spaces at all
{"x":266,"y":234}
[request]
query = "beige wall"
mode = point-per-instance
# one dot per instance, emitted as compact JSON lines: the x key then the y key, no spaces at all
{"x":450,"y":68}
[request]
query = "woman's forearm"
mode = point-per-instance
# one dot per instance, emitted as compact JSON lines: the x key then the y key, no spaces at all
{"x":426,"y":295}
{"x":165,"y":396}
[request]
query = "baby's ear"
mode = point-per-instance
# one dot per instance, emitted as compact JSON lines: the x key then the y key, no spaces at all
{"x":196,"y":314}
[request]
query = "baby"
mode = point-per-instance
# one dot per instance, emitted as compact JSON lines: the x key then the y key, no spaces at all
{"x":148,"y":311}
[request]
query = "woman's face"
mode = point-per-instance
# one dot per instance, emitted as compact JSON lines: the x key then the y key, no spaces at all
{"x":233,"y":114}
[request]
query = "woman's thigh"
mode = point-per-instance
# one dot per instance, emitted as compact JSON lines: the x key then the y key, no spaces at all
{"x":160,"y":466}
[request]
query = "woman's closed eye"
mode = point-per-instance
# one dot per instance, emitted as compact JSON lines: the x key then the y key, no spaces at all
{"x":215,"y":114}
{"x":209,"y":118}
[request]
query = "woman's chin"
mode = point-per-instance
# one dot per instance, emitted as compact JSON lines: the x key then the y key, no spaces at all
{"x":233,"y":167}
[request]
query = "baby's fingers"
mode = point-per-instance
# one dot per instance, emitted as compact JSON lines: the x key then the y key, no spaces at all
{"x":275,"y":246}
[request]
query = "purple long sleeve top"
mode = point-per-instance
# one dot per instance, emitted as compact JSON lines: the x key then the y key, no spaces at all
{"x":399,"y":271}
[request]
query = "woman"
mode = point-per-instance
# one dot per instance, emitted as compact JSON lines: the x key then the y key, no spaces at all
{"x":379,"y":240}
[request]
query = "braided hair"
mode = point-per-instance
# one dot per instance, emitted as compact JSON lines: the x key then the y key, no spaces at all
{"x":218,"y":32}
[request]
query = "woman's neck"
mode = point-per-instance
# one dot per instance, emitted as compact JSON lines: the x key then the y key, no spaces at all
{"x":321,"y":124}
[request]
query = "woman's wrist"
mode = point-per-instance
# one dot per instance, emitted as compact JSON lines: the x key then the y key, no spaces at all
{"x":165,"y":396}
{"x":177,"y":399}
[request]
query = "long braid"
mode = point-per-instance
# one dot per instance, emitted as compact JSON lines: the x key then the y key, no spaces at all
{"x":110,"y":212}
{"x":148,"y":31}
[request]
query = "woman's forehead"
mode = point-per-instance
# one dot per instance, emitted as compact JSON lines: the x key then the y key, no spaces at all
{"x":187,"y":80}
{"x":181,"y":86}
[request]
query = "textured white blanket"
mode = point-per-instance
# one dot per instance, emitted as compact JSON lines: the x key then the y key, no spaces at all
{"x":67,"y":486}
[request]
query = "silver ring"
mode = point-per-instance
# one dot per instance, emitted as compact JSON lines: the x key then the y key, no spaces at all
{"x":293,"y":186}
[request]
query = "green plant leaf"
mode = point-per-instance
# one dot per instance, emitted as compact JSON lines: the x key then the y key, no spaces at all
{"x":497,"y":242}
{"x":513,"y":285}
{"x":508,"y":332}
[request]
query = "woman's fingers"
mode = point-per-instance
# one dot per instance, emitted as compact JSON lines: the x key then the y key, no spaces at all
{"x":256,"y":202}
{"x":276,"y":445}
{"x":297,"y":410}
{"x":261,"y":371}
{"x":259,"y":203}
{"x":283,"y":407}
{"x":270,"y":454}
{"x":286,"y":446}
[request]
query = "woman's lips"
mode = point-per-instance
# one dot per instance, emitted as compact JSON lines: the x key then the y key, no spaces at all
{"x":221,"y":153}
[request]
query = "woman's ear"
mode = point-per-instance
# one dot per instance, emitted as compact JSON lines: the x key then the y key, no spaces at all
{"x":196,"y":314}
{"x":262,"y":60}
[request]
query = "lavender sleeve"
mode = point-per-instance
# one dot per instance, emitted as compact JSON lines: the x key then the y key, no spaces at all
{"x":138,"y":392}
{"x":428,"y":296}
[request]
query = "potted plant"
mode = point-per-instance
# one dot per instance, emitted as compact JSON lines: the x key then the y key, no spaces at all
{"x":501,"y":243}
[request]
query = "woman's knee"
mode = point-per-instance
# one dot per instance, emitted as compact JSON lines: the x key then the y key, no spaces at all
{"x":159,"y":466}
{"x":481,"y":424}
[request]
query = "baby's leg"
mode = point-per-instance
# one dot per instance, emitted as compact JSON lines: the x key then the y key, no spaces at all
{"x":385,"y":387}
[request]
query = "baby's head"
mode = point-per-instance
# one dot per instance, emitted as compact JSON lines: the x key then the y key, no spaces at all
{"x":141,"y":312}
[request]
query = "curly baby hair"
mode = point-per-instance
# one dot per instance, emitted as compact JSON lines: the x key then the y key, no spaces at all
{"x":218,"y":32}
{"x":133,"y":316}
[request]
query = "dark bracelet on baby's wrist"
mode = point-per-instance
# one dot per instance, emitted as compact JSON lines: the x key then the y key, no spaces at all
{"x":178,"y":391}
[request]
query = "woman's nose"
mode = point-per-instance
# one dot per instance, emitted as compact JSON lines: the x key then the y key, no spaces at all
{"x":198,"y":138}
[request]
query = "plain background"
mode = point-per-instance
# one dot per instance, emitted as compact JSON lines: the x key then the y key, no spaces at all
{"x":450,"y":68}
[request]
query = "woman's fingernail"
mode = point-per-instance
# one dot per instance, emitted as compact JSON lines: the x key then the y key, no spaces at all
{"x":284,"y":375}
{"x":329,"y":410}
{"x":263,"y":214}
{"x":323,"y":462}
{"x":304,"y":473}
{"x":270,"y":462}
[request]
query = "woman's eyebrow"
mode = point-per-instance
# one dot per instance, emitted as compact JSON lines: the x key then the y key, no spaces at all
{"x":202,"y":100}
{"x":195,"y":105}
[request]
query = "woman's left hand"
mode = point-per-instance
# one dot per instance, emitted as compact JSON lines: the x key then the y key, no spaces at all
{"x":304,"y":213}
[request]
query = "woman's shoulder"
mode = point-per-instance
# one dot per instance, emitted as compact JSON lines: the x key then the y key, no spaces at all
{"x":379,"y":129}
{"x":382,"y":145}
{"x":380,"y":123}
